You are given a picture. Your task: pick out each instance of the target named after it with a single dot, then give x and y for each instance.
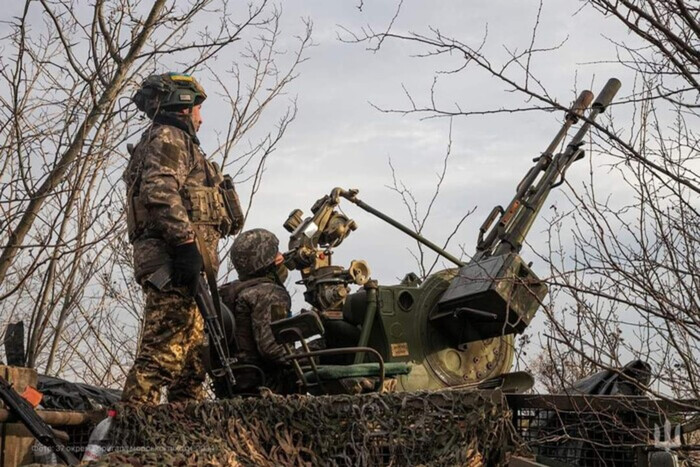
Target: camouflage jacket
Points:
(165, 161)
(254, 307)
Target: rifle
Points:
(206, 306)
(36, 426)
(497, 293)
(161, 280)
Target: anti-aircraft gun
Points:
(458, 325)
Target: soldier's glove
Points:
(187, 264)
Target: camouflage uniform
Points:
(166, 163)
(170, 351)
(257, 299)
(166, 160)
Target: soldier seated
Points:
(257, 299)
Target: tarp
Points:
(60, 394)
(628, 381)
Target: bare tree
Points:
(426, 261)
(69, 70)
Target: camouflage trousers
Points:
(170, 353)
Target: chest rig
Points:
(215, 203)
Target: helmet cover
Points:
(253, 251)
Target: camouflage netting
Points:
(447, 427)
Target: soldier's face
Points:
(197, 117)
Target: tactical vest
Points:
(245, 339)
(216, 204)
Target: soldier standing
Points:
(257, 299)
(177, 211)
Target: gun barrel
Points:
(521, 226)
(513, 225)
(607, 94)
(36, 426)
(572, 116)
(217, 339)
(580, 105)
(601, 103)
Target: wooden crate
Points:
(15, 440)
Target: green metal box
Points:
(491, 297)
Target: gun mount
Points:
(458, 325)
(394, 320)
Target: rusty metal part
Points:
(57, 417)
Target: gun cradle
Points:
(403, 332)
(492, 297)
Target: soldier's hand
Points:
(187, 264)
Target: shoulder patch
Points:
(170, 155)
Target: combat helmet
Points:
(168, 91)
(253, 251)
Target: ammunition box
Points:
(491, 297)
